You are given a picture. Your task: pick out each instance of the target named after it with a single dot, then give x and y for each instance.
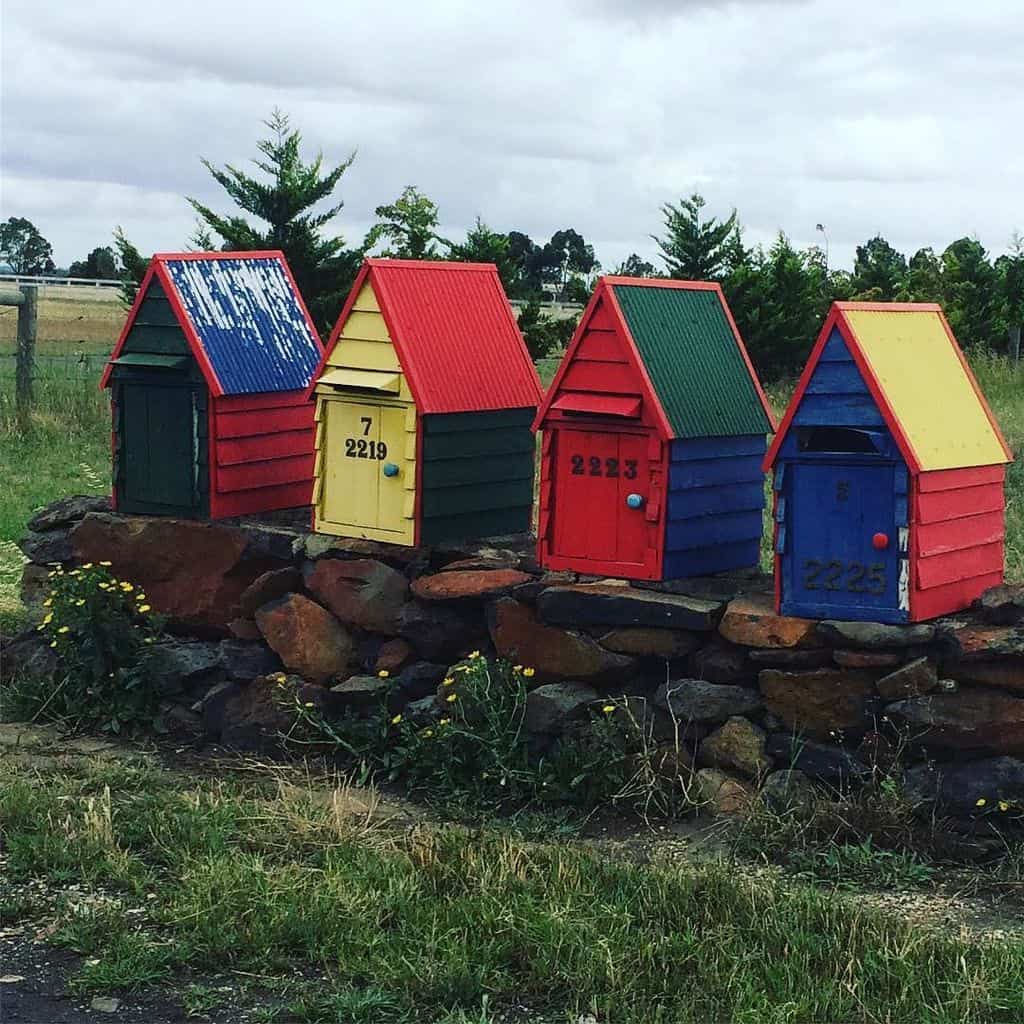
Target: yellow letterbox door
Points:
(365, 469)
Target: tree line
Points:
(779, 294)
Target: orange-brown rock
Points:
(307, 638)
(752, 621)
(819, 703)
(359, 591)
(468, 583)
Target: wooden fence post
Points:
(27, 319)
(1015, 342)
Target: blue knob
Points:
(390, 469)
(635, 501)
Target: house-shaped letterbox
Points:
(654, 430)
(424, 401)
(208, 389)
(888, 473)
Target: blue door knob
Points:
(390, 469)
(635, 501)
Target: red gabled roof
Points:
(454, 332)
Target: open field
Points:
(68, 452)
(251, 893)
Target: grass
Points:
(345, 917)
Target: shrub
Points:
(100, 628)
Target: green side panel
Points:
(156, 328)
(477, 475)
(155, 360)
(161, 447)
(690, 352)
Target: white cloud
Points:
(893, 118)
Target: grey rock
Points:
(554, 706)
(244, 661)
(695, 700)
(955, 789)
(1003, 606)
(105, 1004)
(176, 665)
(720, 663)
(789, 658)
(625, 606)
(269, 587)
(818, 760)
(789, 790)
(360, 693)
(47, 548)
(872, 635)
(417, 680)
(439, 631)
(916, 677)
(739, 746)
(424, 711)
(67, 511)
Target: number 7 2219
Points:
(852, 576)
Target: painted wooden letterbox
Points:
(208, 389)
(424, 401)
(654, 430)
(888, 473)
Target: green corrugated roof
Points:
(692, 358)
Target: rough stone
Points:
(193, 572)
(360, 592)
(244, 629)
(244, 661)
(789, 791)
(721, 795)
(718, 663)
(1006, 673)
(823, 761)
(910, 680)
(873, 635)
(306, 637)
(694, 700)
(253, 718)
(269, 542)
(970, 641)
(35, 585)
(553, 707)
(417, 680)
(554, 653)
(360, 693)
(738, 745)
(608, 605)
(423, 711)
(28, 655)
(392, 655)
(70, 510)
(177, 664)
(269, 587)
(955, 789)
(651, 643)
(792, 658)
(48, 548)
(819, 703)
(867, 659)
(511, 551)
(529, 592)
(105, 1004)
(440, 631)
(655, 723)
(212, 705)
(179, 722)
(1003, 606)
(752, 621)
(468, 584)
(978, 720)
(669, 761)
(322, 545)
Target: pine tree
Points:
(132, 266)
(694, 249)
(323, 269)
(410, 223)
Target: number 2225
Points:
(856, 573)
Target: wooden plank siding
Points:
(156, 328)
(836, 394)
(262, 453)
(477, 474)
(715, 506)
(957, 539)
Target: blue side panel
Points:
(249, 321)
(836, 393)
(714, 510)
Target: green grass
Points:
(428, 924)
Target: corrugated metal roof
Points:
(694, 359)
(455, 335)
(249, 320)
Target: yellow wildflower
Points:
(53, 643)
(1003, 806)
(104, 586)
(608, 708)
(48, 602)
(517, 668)
(47, 618)
(452, 697)
(144, 607)
(88, 565)
(140, 596)
(445, 721)
(64, 629)
(308, 704)
(448, 681)
(127, 588)
(980, 802)
(427, 733)
(106, 565)
(148, 640)
(396, 719)
(529, 672)
(80, 602)
(383, 673)
(473, 655)
(461, 668)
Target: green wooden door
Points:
(159, 451)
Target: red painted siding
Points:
(957, 538)
(261, 449)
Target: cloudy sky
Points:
(869, 116)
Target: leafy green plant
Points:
(99, 628)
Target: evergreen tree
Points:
(1010, 269)
(410, 223)
(132, 267)
(482, 245)
(879, 271)
(634, 266)
(693, 248)
(923, 282)
(970, 293)
(285, 203)
(101, 262)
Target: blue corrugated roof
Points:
(249, 321)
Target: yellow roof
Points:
(930, 390)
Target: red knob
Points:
(880, 541)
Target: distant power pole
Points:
(821, 228)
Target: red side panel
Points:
(957, 538)
(261, 453)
